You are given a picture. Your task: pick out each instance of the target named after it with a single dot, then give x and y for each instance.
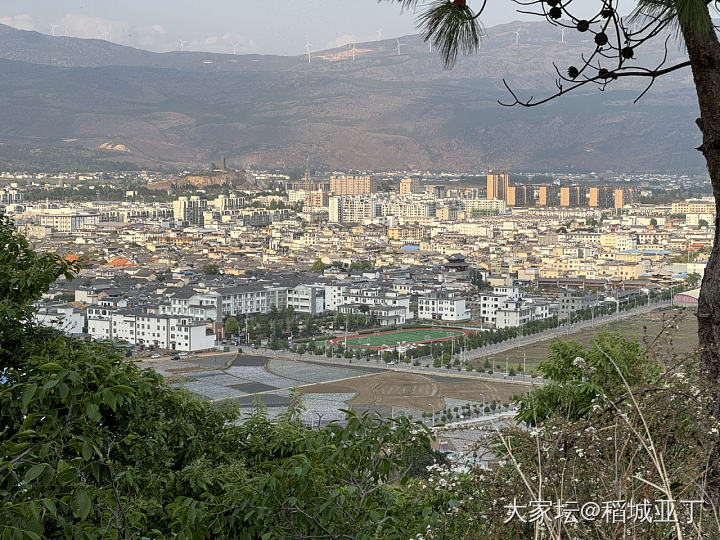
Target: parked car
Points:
(175, 357)
(182, 354)
(155, 355)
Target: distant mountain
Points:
(383, 110)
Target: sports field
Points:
(391, 339)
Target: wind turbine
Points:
(517, 36)
(66, 30)
(379, 34)
(353, 51)
(562, 35)
(430, 47)
(398, 46)
(182, 46)
(307, 48)
(105, 34)
(53, 27)
(235, 46)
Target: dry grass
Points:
(641, 327)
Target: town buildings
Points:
(529, 252)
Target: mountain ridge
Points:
(381, 111)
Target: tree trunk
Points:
(704, 52)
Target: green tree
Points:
(578, 377)
(211, 269)
(24, 276)
(616, 53)
(318, 266)
(232, 326)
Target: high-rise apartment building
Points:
(572, 196)
(352, 209)
(601, 197)
(409, 185)
(352, 185)
(624, 196)
(497, 185)
(520, 196)
(548, 196)
(190, 210)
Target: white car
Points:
(154, 356)
(182, 354)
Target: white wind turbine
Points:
(353, 52)
(53, 27)
(517, 36)
(235, 46)
(562, 35)
(398, 46)
(379, 34)
(307, 48)
(182, 46)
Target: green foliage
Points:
(452, 28)
(102, 448)
(318, 266)
(95, 440)
(211, 269)
(360, 265)
(24, 276)
(581, 379)
(232, 326)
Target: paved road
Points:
(490, 418)
(561, 331)
(402, 367)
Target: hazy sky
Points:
(249, 26)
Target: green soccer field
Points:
(392, 338)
